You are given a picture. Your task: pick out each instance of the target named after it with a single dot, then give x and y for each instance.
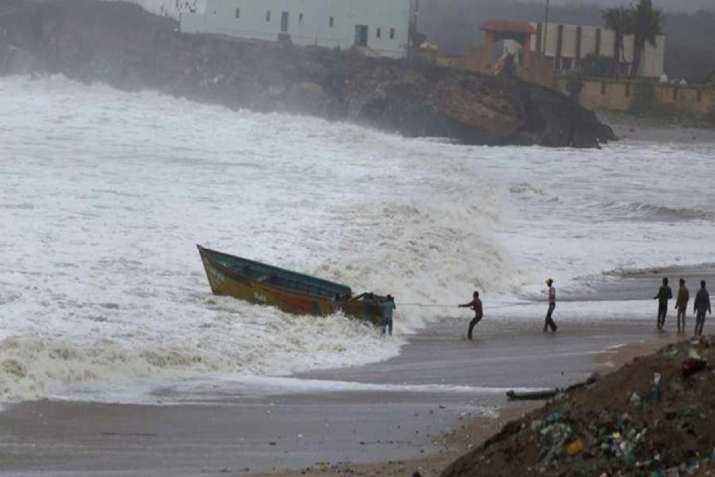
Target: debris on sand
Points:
(653, 417)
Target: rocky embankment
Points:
(124, 46)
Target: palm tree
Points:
(647, 25)
(620, 21)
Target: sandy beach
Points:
(441, 396)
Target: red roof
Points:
(508, 26)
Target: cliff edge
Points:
(126, 47)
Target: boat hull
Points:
(226, 279)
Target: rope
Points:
(424, 305)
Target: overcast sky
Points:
(671, 5)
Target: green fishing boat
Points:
(292, 292)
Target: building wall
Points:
(309, 22)
(596, 40)
(618, 95)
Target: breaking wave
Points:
(116, 290)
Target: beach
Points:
(401, 423)
(116, 359)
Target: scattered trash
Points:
(654, 392)
(644, 420)
(635, 400)
(693, 365)
(575, 448)
(553, 417)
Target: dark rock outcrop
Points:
(128, 48)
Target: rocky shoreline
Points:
(124, 46)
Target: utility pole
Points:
(546, 27)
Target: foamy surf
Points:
(105, 194)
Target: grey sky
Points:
(670, 5)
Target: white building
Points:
(567, 45)
(379, 27)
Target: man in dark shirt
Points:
(681, 305)
(549, 322)
(702, 305)
(664, 294)
(476, 305)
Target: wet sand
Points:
(246, 432)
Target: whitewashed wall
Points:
(220, 17)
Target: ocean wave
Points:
(658, 213)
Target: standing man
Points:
(549, 323)
(388, 307)
(702, 304)
(664, 294)
(476, 305)
(681, 305)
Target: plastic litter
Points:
(693, 365)
(575, 447)
(553, 417)
(654, 392)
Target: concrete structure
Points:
(618, 95)
(516, 36)
(378, 27)
(567, 45)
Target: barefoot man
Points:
(702, 305)
(681, 304)
(476, 305)
(664, 294)
(549, 323)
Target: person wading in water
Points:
(476, 305)
(681, 304)
(549, 323)
(664, 294)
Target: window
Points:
(300, 18)
(238, 13)
(332, 22)
(268, 15)
(392, 33)
(379, 32)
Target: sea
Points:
(105, 194)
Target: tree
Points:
(620, 21)
(646, 26)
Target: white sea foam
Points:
(105, 194)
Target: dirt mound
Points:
(654, 417)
